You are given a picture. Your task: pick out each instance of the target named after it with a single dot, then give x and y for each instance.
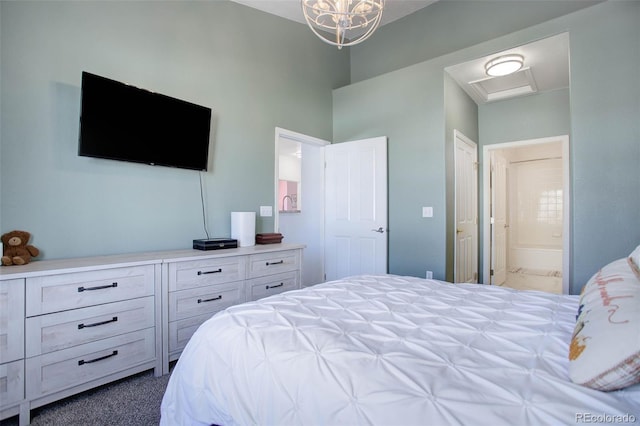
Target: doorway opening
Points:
(299, 198)
(526, 214)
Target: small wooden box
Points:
(269, 238)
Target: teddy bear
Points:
(16, 249)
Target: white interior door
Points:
(466, 210)
(356, 208)
(499, 223)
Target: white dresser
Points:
(84, 326)
(273, 273)
(75, 324)
(11, 346)
(200, 284)
(69, 325)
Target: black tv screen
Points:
(123, 122)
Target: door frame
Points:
(566, 207)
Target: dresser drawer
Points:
(11, 383)
(181, 331)
(74, 366)
(52, 332)
(55, 293)
(11, 320)
(204, 300)
(205, 272)
(273, 263)
(272, 284)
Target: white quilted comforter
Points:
(389, 350)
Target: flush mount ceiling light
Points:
(343, 22)
(504, 65)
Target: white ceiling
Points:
(546, 67)
(291, 9)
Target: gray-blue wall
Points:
(604, 132)
(447, 26)
(407, 107)
(273, 72)
(528, 117)
(256, 71)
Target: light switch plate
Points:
(427, 212)
(266, 211)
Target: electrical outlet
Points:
(429, 275)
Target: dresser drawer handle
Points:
(210, 272)
(95, 324)
(279, 262)
(209, 300)
(275, 286)
(82, 361)
(101, 287)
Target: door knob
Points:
(459, 231)
(380, 230)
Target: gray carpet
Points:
(132, 401)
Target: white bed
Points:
(389, 350)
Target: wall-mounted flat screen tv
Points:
(123, 122)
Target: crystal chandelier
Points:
(343, 22)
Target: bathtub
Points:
(539, 258)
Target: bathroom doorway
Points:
(526, 202)
(299, 198)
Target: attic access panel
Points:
(508, 86)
